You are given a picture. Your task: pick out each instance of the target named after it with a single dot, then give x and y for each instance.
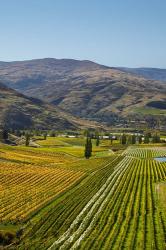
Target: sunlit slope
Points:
(86, 89)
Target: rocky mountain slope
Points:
(148, 73)
(19, 111)
(86, 89)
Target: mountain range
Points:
(86, 89)
(148, 73)
(21, 112)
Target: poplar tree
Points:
(123, 139)
(5, 134)
(45, 136)
(140, 139)
(97, 141)
(27, 139)
(133, 139)
(88, 148)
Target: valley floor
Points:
(53, 198)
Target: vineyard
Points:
(62, 201)
(24, 188)
(145, 152)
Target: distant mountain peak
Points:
(87, 89)
(148, 73)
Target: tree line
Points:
(139, 139)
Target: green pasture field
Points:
(148, 110)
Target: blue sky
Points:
(111, 32)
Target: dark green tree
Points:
(52, 134)
(97, 141)
(23, 133)
(129, 139)
(18, 133)
(149, 134)
(27, 139)
(146, 138)
(87, 133)
(123, 139)
(111, 138)
(88, 148)
(133, 139)
(5, 134)
(156, 138)
(45, 136)
(140, 139)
